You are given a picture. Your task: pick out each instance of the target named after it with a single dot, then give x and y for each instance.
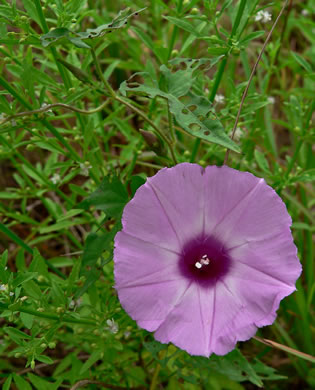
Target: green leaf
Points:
(302, 226)
(54, 35)
(306, 176)
(77, 72)
(33, 290)
(154, 347)
(136, 182)
(44, 359)
(182, 24)
(251, 36)
(16, 334)
(65, 363)
(38, 264)
(179, 81)
(261, 161)
(96, 355)
(235, 366)
(41, 384)
(7, 383)
(195, 116)
(266, 373)
(79, 43)
(91, 277)
(95, 245)
(22, 278)
(301, 61)
(15, 238)
(110, 197)
(21, 383)
(31, 10)
(117, 23)
(27, 320)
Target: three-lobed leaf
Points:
(193, 113)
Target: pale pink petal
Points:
(148, 281)
(225, 189)
(144, 216)
(255, 214)
(180, 193)
(189, 323)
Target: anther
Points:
(203, 261)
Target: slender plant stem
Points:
(101, 76)
(48, 316)
(220, 72)
(282, 35)
(51, 106)
(170, 123)
(290, 350)
(251, 77)
(155, 377)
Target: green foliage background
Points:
(94, 97)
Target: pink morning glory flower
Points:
(204, 257)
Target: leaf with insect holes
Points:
(120, 21)
(194, 114)
(76, 38)
(54, 35)
(183, 72)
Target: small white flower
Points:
(271, 100)
(44, 105)
(74, 303)
(11, 294)
(55, 178)
(112, 326)
(305, 12)
(263, 16)
(3, 287)
(219, 99)
(238, 134)
(127, 334)
(85, 168)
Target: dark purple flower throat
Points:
(204, 260)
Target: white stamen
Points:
(203, 261)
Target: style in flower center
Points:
(204, 260)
